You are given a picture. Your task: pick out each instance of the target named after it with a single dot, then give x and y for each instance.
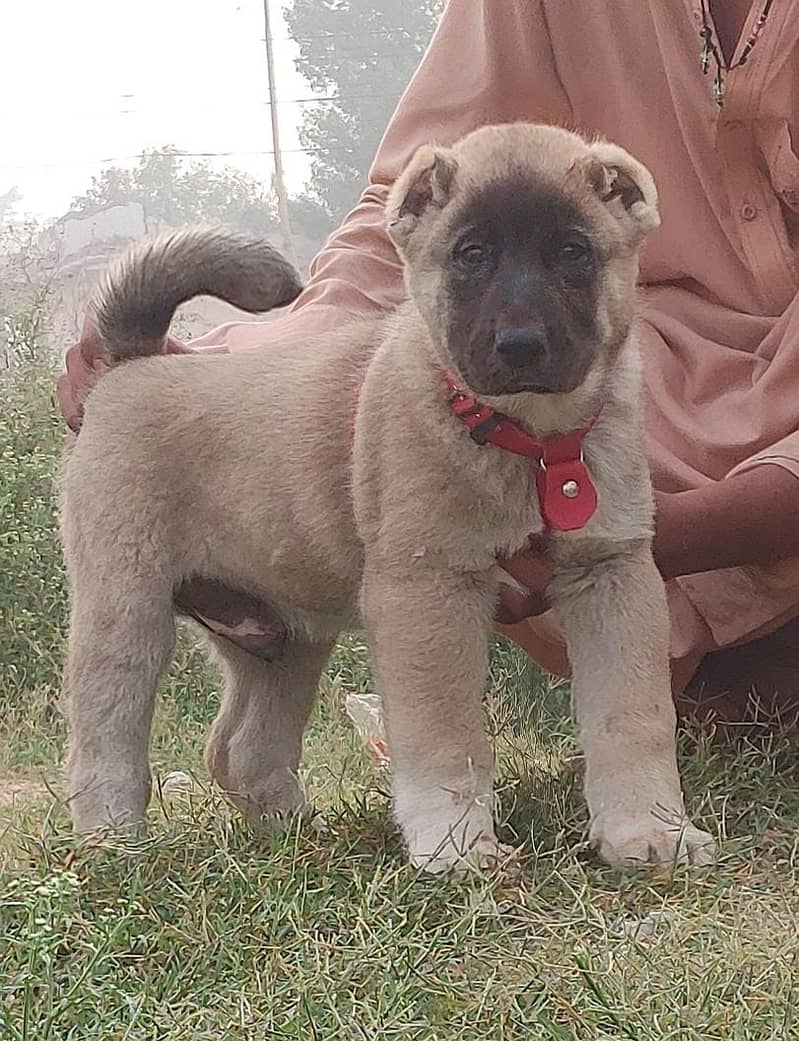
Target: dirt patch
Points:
(16, 790)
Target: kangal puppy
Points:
(499, 401)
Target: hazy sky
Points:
(89, 80)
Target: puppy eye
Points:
(574, 252)
(472, 254)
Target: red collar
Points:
(566, 493)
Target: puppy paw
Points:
(455, 840)
(273, 804)
(100, 803)
(659, 838)
(485, 855)
(449, 827)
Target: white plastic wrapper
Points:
(366, 713)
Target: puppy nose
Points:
(521, 345)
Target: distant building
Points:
(78, 233)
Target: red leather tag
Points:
(566, 494)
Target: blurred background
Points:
(120, 119)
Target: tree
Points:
(362, 53)
(175, 191)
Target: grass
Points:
(204, 931)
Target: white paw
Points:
(657, 838)
(483, 853)
(450, 834)
(104, 803)
(449, 828)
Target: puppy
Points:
(371, 478)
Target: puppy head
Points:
(520, 246)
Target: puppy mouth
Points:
(537, 388)
(520, 382)
(493, 376)
(534, 388)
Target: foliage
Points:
(362, 53)
(27, 294)
(24, 328)
(32, 595)
(175, 191)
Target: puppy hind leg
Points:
(255, 743)
(116, 656)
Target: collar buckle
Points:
(484, 428)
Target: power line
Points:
(403, 30)
(181, 109)
(88, 113)
(178, 155)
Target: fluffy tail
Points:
(145, 286)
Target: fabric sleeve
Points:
(739, 604)
(490, 61)
(784, 453)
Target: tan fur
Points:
(242, 468)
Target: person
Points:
(706, 94)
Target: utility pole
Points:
(278, 181)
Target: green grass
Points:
(204, 931)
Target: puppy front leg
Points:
(615, 620)
(429, 643)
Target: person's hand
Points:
(532, 570)
(85, 362)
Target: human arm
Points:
(750, 519)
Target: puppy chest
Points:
(465, 517)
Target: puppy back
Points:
(144, 287)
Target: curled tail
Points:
(144, 287)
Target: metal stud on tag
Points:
(571, 489)
(566, 494)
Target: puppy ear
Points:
(426, 182)
(625, 186)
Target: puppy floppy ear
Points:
(427, 181)
(625, 186)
